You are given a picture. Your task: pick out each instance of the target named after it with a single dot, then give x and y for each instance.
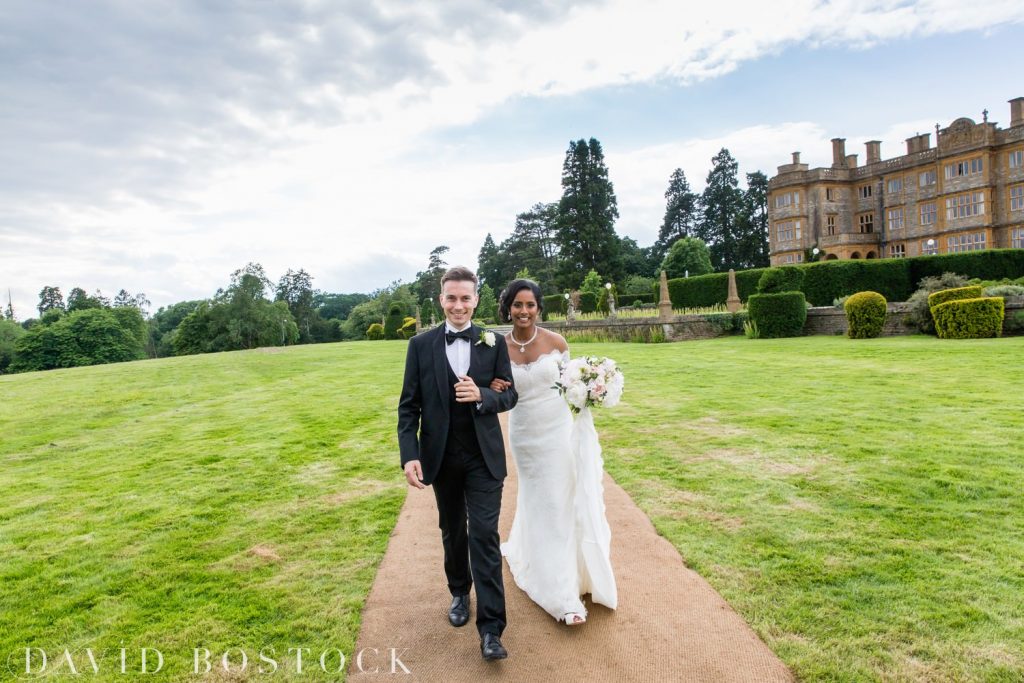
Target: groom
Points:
(449, 437)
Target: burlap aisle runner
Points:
(670, 624)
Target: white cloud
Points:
(290, 138)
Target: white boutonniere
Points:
(486, 337)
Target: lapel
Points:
(441, 365)
(474, 351)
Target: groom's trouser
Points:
(467, 491)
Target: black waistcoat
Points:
(461, 428)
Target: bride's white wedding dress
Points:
(559, 545)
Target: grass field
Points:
(857, 502)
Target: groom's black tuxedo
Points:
(462, 454)
(426, 403)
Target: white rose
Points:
(576, 395)
(489, 338)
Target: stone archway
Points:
(871, 254)
(855, 255)
(831, 257)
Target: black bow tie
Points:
(452, 336)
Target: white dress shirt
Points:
(458, 351)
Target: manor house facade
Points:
(966, 193)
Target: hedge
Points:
(944, 295)
(629, 299)
(707, 290)
(588, 302)
(781, 314)
(826, 281)
(865, 315)
(781, 279)
(987, 264)
(970, 318)
(554, 303)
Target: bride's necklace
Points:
(523, 345)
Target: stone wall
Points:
(826, 320)
(682, 328)
(832, 320)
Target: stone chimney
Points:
(851, 161)
(874, 151)
(838, 152)
(919, 143)
(1017, 111)
(796, 158)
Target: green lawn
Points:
(857, 502)
(229, 500)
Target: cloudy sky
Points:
(158, 146)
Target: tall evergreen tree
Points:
(586, 216)
(489, 264)
(534, 243)
(50, 298)
(721, 201)
(752, 234)
(428, 282)
(682, 213)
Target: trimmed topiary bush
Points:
(865, 315)
(588, 302)
(375, 332)
(408, 330)
(918, 312)
(944, 295)
(970, 318)
(781, 279)
(394, 321)
(780, 314)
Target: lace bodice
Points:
(537, 379)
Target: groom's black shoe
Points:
(491, 647)
(458, 613)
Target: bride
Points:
(558, 548)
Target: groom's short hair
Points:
(459, 274)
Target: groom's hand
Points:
(414, 474)
(466, 390)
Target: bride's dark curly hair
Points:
(508, 295)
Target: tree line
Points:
(559, 243)
(250, 312)
(564, 245)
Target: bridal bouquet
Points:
(590, 381)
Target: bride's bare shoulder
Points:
(555, 340)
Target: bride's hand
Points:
(499, 385)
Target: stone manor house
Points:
(965, 193)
